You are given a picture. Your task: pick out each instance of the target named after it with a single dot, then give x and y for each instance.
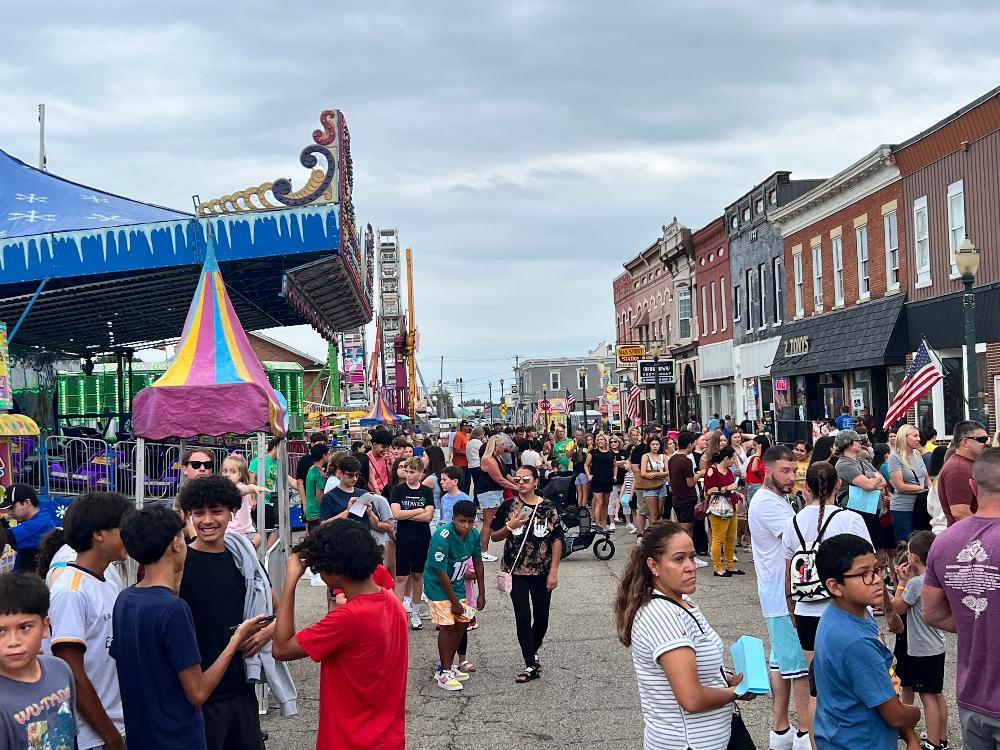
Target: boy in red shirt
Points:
(364, 637)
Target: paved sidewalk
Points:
(587, 697)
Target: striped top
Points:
(661, 626)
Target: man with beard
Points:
(769, 514)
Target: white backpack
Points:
(806, 586)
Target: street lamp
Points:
(967, 262)
(545, 407)
(656, 351)
(582, 372)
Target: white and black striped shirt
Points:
(662, 626)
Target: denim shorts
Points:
(491, 499)
(663, 491)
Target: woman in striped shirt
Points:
(678, 657)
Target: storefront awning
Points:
(872, 334)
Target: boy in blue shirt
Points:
(856, 701)
(451, 477)
(32, 524)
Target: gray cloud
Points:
(524, 149)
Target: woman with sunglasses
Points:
(528, 525)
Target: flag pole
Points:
(42, 160)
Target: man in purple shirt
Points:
(961, 594)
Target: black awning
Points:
(872, 334)
(940, 320)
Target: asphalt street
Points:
(587, 697)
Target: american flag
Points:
(570, 400)
(631, 397)
(920, 378)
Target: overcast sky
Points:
(525, 150)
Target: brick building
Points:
(267, 348)
(677, 256)
(715, 336)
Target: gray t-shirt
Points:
(39, 714)
(381, 507)
(849, 469)
(921, 638)
(914, 472)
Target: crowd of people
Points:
(841, 533)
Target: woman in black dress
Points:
(600, 469)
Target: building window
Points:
(722, 302)
(838, 271)
(703, 324)
(734, 222)
(760, 205)
(736, 303)
(956, 220)
(891, 250)
(581, 380)
(715, 313)
(772, 197)
(779, 297)
(554, 380)
(751, 275)
(746, 214)
(922, 242)
(762, 294)
(684, 312)
(817, 252)
(797, 270)
(864, 287)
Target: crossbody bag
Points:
(505, 583)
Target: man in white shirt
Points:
(769, 515)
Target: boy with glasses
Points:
(336, 504)
(856, 704)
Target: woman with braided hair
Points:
(821, 519)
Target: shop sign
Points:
(648, 369)
(627, 355)
(611, 394)
(796, 346)
(6, 396)
(781, 384)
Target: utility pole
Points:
(411, 339)
(43, 162)
(461, 392)
(490, 402)
(517, 401)
(440, 387)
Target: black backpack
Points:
(805, 583)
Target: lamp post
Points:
(545, 407)
(967, 262)
(490, 402)
(582, 372)
(658, 416)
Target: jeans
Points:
(723, 540)
(979, 731)
(530, 634)
(902, 524)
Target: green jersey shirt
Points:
(315, 480)
(268, 478)
(450, 553)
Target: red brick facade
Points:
(712, 278)
(868, 212)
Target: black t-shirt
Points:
(621, 455)
(302, 467)
(602, 466)
(412, 499)
(365, 468)
(215, 590)
(637, 453)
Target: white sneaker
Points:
(415, 621)
(801, 743)
(611, 526)
(782, 741)
(489, 557)
(408, 605)
(424, 611)
(631, 528)
(446, 681)
(459, 674)
(699, 563)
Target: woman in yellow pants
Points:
(720, 483)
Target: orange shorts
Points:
(441, 613)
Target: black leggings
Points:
(530, 635)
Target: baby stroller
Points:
(579, 530)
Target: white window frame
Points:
(837, 245)
(751, 275)
(715, 312)
(921, 243)
(684, 295)
(762, 289)
(864, 274)
(703, 327)
(817, 263)
(890, 228)
(555, 381)
(956, 232)
(777, 268)
(800, 309)
(722, 302)
(737, 307)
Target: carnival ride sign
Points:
(6, 395)
(628, 355)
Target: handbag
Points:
(505, 582)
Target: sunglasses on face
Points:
(984, 439)
(523, 480)
(201, 464)
(354, 474)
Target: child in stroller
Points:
(579, 531)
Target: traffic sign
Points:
(545, 404)
(503, 410)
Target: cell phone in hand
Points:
(267, 619)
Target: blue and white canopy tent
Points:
(86, 272)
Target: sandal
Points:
(529, 673)
(467, 666)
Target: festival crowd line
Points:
(854, 544)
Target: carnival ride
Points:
(381, 413)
